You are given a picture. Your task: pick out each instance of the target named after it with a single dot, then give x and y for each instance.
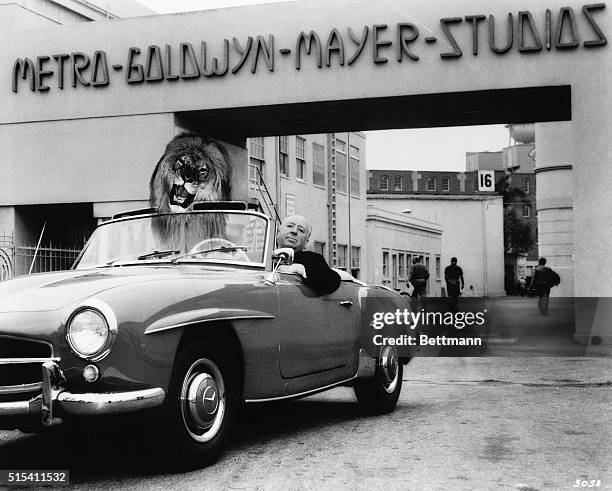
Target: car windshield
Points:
(210, 236)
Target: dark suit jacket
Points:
(319, 276)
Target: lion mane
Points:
(192, 169)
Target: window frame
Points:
(342, 257)
(283, 156)
(316, 176)
(342, 174)
(300, 158)
(385, 264)
(526, 210)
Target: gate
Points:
(17, 260)
(47, 259)
(7, 257)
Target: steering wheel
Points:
(215, 243)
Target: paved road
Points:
(462, 423)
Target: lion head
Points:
(191, 170)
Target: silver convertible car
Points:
(183, 318)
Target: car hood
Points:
(51, 291)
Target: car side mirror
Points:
(282, 256)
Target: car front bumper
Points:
(55, 402)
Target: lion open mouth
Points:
(188, 176)
(183, 193)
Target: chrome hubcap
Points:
(389, 368)
(203, 400)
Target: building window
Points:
(283, 156)
(289, 205)
(318, 164)
(398, 183)
(438, 268)
(526, 211)
(446, 184)
(385, 264)
(342, 252)
(256, 172)
(341, 171)
(526, 185)
(432, 183)
(256, 162)
(319, 248)
(384, 183)
(400, 266)
(256, 147)
(300, 157)
(354, 171)
(355, 261)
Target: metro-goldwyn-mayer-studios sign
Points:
(525, 31)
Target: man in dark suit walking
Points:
(453, 275)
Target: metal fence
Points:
(47, 259)
(17, 260)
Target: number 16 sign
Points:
(486, 180)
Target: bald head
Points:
(294, 232)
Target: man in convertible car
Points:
(293, 233)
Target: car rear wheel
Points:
(379, 394)
(201, 405)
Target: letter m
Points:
(24, 68)
(306, 41)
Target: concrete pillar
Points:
(580, 193)
(554, 201)
(7, 230)
(7, 220)
(592, 127)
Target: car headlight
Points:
(91, 330)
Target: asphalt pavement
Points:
(523, 423)
(507, 418)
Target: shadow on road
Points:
(94, 454)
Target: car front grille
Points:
(20, 367)
(23, 348)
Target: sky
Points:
(410, 149)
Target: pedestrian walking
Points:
(453, 275)
(544, 278)
(522, 286)
(419, 275)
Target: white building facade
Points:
(472, 231)
(393, 241)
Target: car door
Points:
(317, 332)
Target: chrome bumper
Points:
(55, 401)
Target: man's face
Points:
(293, 232)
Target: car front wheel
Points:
(379, 394)
(201, 405)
